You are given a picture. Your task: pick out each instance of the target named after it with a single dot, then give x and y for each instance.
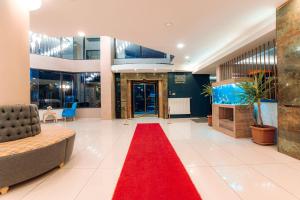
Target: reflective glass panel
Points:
(126, 50)
(61, 89)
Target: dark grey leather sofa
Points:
(27, 149)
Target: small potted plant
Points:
(208, 91)
(254, 92)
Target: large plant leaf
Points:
(207, 90)
(256, 90)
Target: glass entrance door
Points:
(145, 98)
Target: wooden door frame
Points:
(160, 99)
(130, 83)
(129, 99)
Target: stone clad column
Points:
(288, 56)
(107, 79)
(14, 53)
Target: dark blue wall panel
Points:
(200, 105)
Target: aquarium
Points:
(228, 94)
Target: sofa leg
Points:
(4, 190)
(61, 165)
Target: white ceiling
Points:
(204, 26)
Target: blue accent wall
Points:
(200, 105)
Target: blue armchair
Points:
(70, 112)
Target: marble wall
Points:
(288, 56)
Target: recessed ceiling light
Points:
(180, 45)
(168, 24)
(81, 34)
(187, 57)
(33, 4)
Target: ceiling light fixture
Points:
(180, 45)
(81, 34)
(32, 4)
(187, 57)
(168, 24)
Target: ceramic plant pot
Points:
(263, 135)
(209, 117)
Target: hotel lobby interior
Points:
(149, 100)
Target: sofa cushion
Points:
(35, 120)
(48, 136)
(18, 121)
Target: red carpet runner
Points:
(152, 169)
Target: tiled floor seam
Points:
(212, 167)
(250, 166)
(44, 179)
(97, 168)
(238, 195)
(194, 149)
(274, 182)
(87, 181)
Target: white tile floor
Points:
(221, 167)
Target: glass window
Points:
(125, 50)
(49, 89)
(92, 54)
(74, 48)
(61, 89)
(88, 90)
(78, 48)
(34, 86)
(67, 88)
(132, 51)
(92, 48)
(67, 48)
(150, 53)
(92, 89)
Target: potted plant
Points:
(254, 92)
(208, 91)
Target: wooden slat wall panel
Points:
(260, 59)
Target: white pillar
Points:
(107, 79)
(14, 53)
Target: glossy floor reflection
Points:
(221, 167)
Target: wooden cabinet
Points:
(233, 120)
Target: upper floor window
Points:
(125, 50)
(74, 48)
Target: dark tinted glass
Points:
(74, 48)
(49, 89)
(88, 90)
(125, 50)
(150, 53)
(61, 89)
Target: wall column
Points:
(14, 53)
(107, 79)
(288, 56)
